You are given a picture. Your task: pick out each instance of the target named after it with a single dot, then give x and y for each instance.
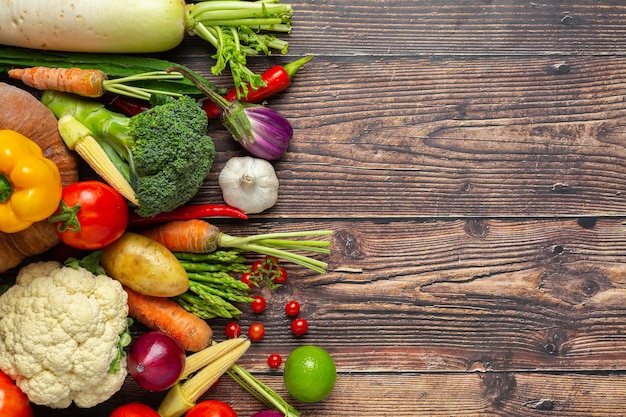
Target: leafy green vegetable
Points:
(164, 151)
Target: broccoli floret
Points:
(164, 153)
(172, 155)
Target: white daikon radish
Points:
(119, 26)
(146, 26)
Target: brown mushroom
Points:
(24, 113)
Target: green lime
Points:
(309, 373)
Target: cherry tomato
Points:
(92, 214)
(274, 360)
(256, 265)
(292, 308)
(281, 278)
(134, 410)
(211, 408)
(256, 331)
(233, 330)
(299, 326)
(259, 304)
(245, 278)
(13, 402)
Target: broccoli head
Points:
(164, 153)
(172, 155)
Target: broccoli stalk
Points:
(163, 153)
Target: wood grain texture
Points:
(469, 156)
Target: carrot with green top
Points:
(199, 236)
(90, 82)
(163, 314)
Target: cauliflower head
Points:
(59, 332)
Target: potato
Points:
(145, 266)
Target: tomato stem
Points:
(67, 218)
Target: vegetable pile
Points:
(230, 26)
(136, 252)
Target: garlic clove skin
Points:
(249, 184)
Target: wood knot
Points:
(587, 222)
(348, 244)
(590, 288)
(499, 387)
(555, 340)
(477, 228)
(542, 404)
(560, 68)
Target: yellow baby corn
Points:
(78, 138)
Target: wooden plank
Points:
(487, 394)
(411, 137)
(457, 28)
(461, 295)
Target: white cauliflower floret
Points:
(59, 333)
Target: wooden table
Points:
(469, 156)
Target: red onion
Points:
(263, 132)
(156, 361)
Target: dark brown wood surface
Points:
(469, 156)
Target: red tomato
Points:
(13, 402)
(292, 308)
(274, 360)
(281, 277)
(259, 304)
(299, 326)
(211, 408)
(134, 410)
(233, 330)
(245, 278)
(96, 215)
(256, 332)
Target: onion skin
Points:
(271, 133)
(156, 361)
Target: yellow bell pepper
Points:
(30, 184)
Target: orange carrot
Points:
(198, 236)
(194, 236)
(86, 83)
(163, 314)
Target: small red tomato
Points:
(259, 304)
(134, 410)
(256, 331)
(274, 361)
(13, 402)
(292, 308)
(256, 265)
(299, 326)
(211, 408)
(281, 277)
(233, 330)
(245, 278)
(92, 214)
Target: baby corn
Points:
(78, 138)
(184, 395)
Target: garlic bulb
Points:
(249, 184)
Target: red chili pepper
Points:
(187, 213)
(276, 78)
